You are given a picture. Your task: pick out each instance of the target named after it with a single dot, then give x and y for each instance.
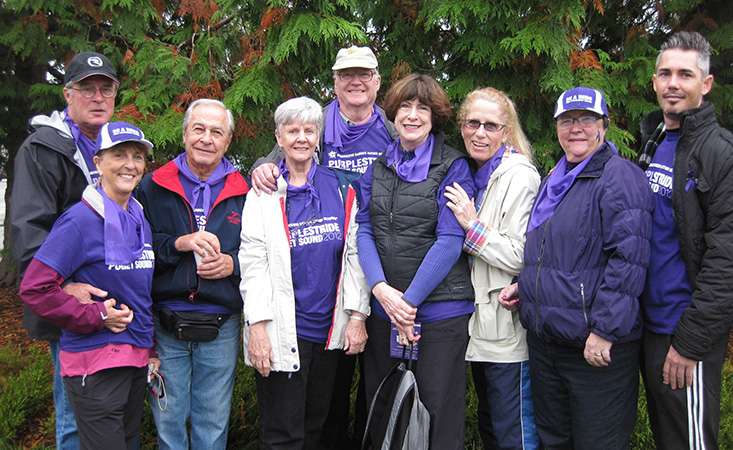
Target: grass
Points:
(25, 397)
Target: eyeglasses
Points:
(350, 76)
(584, 121)
(490, 127)
(89, 91)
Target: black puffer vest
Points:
(404, 217)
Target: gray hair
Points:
(208, 102)
(689, 40)
(299, 109)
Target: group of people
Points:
(366, 234)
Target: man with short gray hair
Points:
(194, 205)
(687, 302)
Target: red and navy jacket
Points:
(171, 216)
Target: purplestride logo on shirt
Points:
(358, 161)
(660, 179)
(144, 262)
(315, 231)
(200, 218)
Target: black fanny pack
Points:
(192, 326)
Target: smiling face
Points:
(206, 139)
(298, 141)
(413, 122)
(580, 140)
(120, 169)
(352, 92)
(679, 83)
(90, 113)
(480, 143)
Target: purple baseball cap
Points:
(581, 98)
(114, 133)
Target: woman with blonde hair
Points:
(495, 221)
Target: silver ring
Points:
(598, 354)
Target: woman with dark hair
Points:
(410, 249)
(106, 344)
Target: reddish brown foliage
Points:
(408, 9)
(252, 47)
(585, 59)
(91, 8)
(287, 89)
(130, 113)
(399, 71)
(196, 91)
(598, 5)
(128, 57)
(272, 16)
(159, 6)
(38, 18)
(200, 10)
(245, 128)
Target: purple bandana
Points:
(483, 174)
(314, 200)
(558, 184)
(86, 146)
(412, 170)
(203, 186)
(124, 238)
(337, 133)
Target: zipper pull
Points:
(390, 217)
(192, 295)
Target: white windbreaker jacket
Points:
(496, 335)
(266, 281)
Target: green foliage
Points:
(25, 389)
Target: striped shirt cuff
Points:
(475, 237)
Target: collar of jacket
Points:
(690, 120)
(598, 160)
(167, 177)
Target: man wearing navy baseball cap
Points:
(687, 301)
(52, 168)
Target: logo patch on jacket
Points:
(234, 218)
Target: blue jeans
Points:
(199, 378)
(67, 437)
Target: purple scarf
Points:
(203, 186)
(314, 201)
(557, 186)
(483, 174)
(415, 169)
(337, 133)
(124, 238)
(87, 146)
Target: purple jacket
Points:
(584, 268)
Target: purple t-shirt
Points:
(668, 291)
(75, 250)
(357, 146)
(447, 226)
(316, 244)
(199, 212)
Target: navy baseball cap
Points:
(114, 133)
(86, 64)
(581, 98)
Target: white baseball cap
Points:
(355, 56)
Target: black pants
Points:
(108, 406)
(683, 418)
(293, 405)
(440, 372)
(336, 429)
(578, 406)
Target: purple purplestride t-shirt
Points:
(668, 291)
(315, 222)
(352, 148)
(75, 250)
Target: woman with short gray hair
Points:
(303, 289)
